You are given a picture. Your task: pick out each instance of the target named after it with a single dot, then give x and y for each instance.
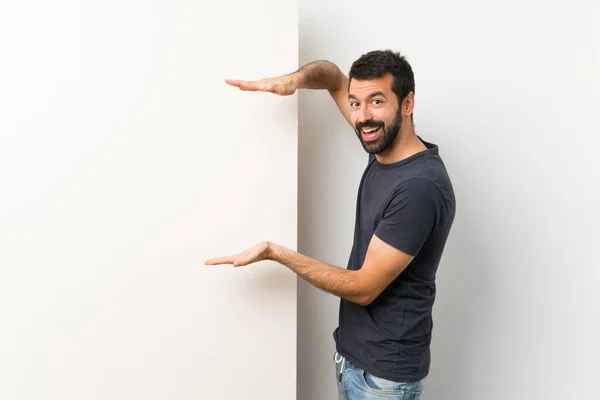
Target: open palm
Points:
(257, 253)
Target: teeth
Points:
(370, 130)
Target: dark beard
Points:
(385, 139)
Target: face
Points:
(375, 113)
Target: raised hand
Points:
(257, 253)
(284, 85)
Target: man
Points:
(405, 211)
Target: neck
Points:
(406, 144)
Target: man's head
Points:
(381, 95)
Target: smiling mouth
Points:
(370, 133)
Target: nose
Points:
(364, 115)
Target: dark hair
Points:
(378, 63)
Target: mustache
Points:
(369, 124)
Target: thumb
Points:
(265, 86)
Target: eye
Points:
(377, 101)
(354, 104)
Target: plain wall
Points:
(510, 93)
(125, 163)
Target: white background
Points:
(511, 94)
(125, 163)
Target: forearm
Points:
(320, 75)
(335, 280)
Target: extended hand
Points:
(257, 253)
(284, 85)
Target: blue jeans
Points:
(356, 384)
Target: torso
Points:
(390, 338)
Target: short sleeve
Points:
(411, 215)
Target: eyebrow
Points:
(374, 94)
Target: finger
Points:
(236, 82)
(268, 87)
(249, 257)
(243, 261)
(220, 260)
(242, 85)
(250, 85)
(233, 82)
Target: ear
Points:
(408, 105)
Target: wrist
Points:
(298, 78)
(272, 251)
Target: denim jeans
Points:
(356, 384)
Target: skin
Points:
(359, 102)
(374, 100)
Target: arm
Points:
(316, 75)
(409, 219)
(326, 75)
(383, 263)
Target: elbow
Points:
(364, 291)
(365, 299)
(366, 294)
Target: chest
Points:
(375, 193)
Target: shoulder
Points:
(422, 195)
(417, 189)
(429, 177)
